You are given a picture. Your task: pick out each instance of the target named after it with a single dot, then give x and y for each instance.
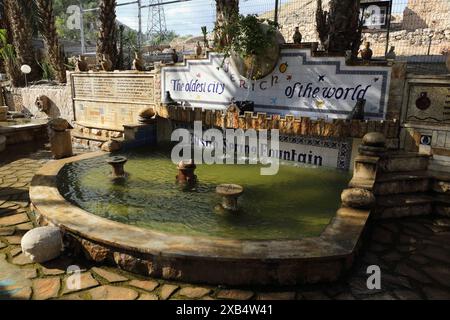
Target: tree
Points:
(61, 18)
(8, 55)
(164, 38)
(342, 24)
(227, 11)
(322, 23)
(107, 41)
(18, 15)
(47, 28)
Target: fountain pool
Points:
(289, 205)
(288, 229)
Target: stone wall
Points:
(411, 31)
(60, 98)
(411, 43)
(426, 126)
(422, 14)
(288, 125)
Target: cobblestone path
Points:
(413, 254)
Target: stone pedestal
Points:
(61, 144)
(118, 163)
(230, 194)
(2, 143)
(3, 113)
(186, 174)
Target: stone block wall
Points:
(411, 43)
(421, 14)
(60, 98)
(288, 125)
(398, 78)
(427, 129)
(411, 29)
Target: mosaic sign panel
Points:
(110, 100)
(311, 151)
(301, 85)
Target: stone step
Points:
(404, 162)
(402, 182)
(442, 204)
(403, 205)
(439, 163)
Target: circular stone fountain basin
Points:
(288, 205)
(287, 230)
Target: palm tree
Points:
(226, 12)
(17, 13)
(344, 24)
(340, 29)
(107, 41)
(9, 59)
(48, 31)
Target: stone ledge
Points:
(200, 259)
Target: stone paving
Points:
(413, 254)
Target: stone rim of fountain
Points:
(198, 259)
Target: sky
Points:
(187, 18)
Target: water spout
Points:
(118, 164)
(230, 194)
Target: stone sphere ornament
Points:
(374, 139)
(146, 115)
(42, 244)
(357, 198)
(59, 124)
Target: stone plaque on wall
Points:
(428, 102)
(111, 100)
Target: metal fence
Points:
(418, 29)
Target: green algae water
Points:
(297, 202)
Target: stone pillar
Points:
(61, 144)
(3, 113)
(396, 90)
(367, 165)
(60, 138)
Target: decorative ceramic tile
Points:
(322, 87)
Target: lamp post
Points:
(26, 69)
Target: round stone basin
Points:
(287, 230)
(297, 202)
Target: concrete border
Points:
(198, 259)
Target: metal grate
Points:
(418, 29)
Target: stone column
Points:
(360, 194)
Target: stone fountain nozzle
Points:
(230, 194)
(118, 164)
(186, 172)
